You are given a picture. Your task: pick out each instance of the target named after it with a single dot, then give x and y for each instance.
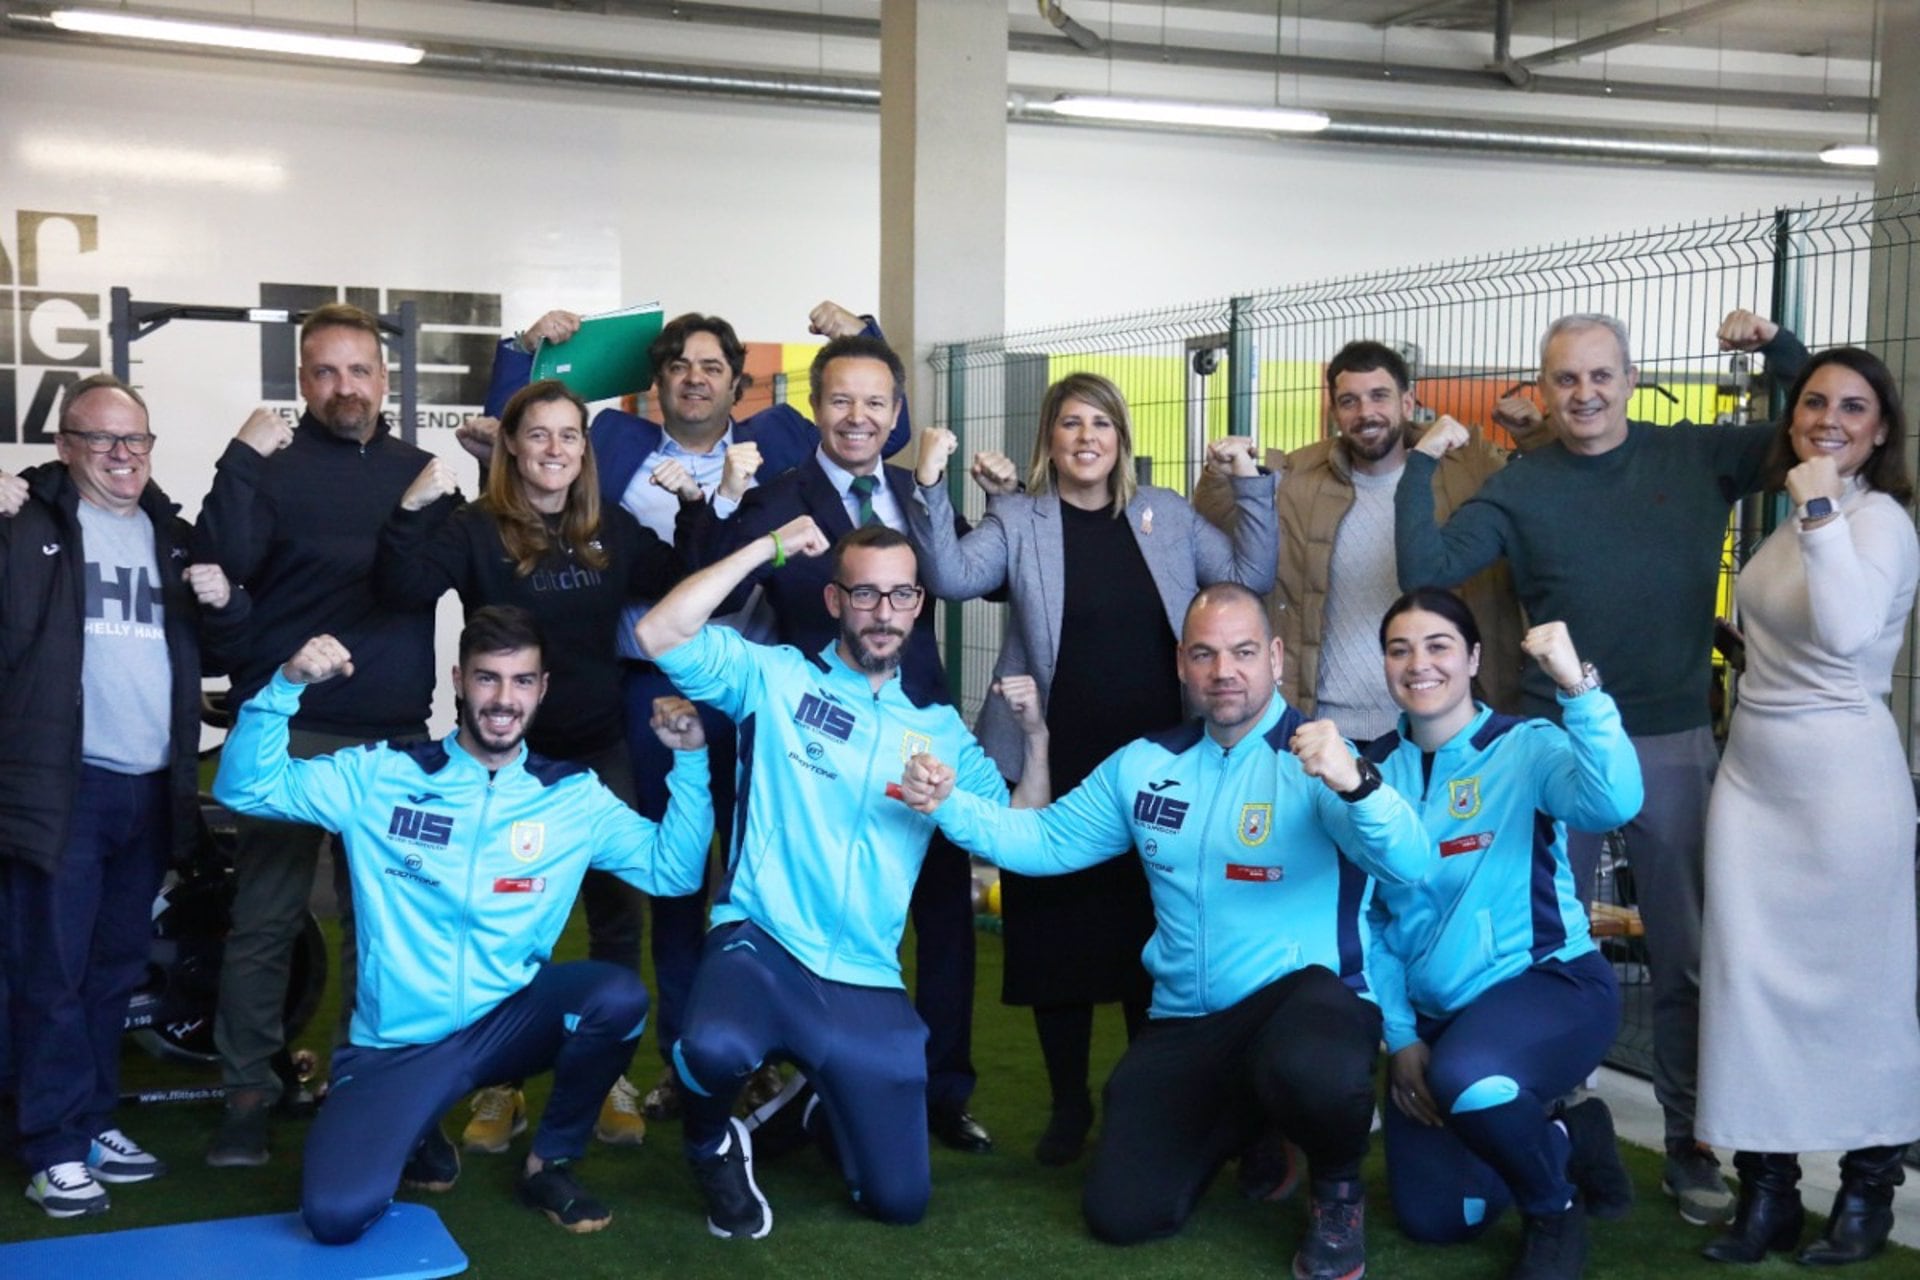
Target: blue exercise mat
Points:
(408, 1243)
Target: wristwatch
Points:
(1816, 509)
(1368, 784)
(1589, 681)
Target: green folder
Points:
(607, 357)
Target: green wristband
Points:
(779, 552)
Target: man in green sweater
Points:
(1616, 528)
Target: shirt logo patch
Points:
(1256, 823)
(416, 827)
(1158, 812)
(1463, 797)
(914, 744)
(1256, 875)
(520, 884)
(526, 839)
(1466, 844)
(815, 712)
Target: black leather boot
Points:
(1769, 1214)
(1863, 1211)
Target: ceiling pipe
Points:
(1032, 106)
(1634, 34)
(1518, 76)
(1088, 41)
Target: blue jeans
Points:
(77, 942)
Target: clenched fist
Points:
(321, 658)
(1325, 755)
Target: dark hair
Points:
(1886, 467)
(342, 315)
(858, 346)
(91, 383)
(671, 343)
(1220, 593)
(501, 628)
(1366, 357)
(873, 537)
(523, 531)
(1434, 600)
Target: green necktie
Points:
(862, 489)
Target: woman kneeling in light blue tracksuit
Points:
(1495, 1001)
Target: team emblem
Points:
(526, 839)
(914, 744)
(1256, 823)
(1463, 797)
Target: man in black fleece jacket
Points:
(294, 516)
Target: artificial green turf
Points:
(1000, 1215)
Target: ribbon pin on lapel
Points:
(1146, 520)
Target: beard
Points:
(1389, 441)
(472, 723)
(854, 640)
(349, 417)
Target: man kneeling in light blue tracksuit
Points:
(465, 856)
(1262, 836)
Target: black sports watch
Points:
(1817, 509)
(1368, 784)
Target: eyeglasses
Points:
(866, 599)
(540, 437)
(104, 441)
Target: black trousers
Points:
(1191, 1093)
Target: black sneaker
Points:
(1553, 1248)
(735, 1208)
(241, 1140)
(555, 1192)
(434, 1164)
(1336, 1243)
(1691, 1175)
(1593, 1164)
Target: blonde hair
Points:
(523, 531)
(1103, 395)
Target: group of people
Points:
(1382, 826)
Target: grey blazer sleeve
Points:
(951, 567)
(1252, 554)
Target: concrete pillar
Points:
(943, 178)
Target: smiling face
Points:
(343, 379)
(696, 388)
(1371, 412)
(874, 640)
(1586, 383)
(1083, 445)
(1837, 416)
(1430, 670)
(855, 409)
(547, 450)
(1229, 663)
(499, 693)
(112, 481)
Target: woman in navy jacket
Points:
(1494, 999)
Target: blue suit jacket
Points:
(623, 441)
(797, 590)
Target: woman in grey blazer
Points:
(1099, 571)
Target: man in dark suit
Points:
(857, 390)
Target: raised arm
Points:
(256, 775)
(1249, 556)
(1370, 822)
(1588, 776)
(1086, 826)
(667, 858)
(1426, 554)
(957, 567)
(425, 545)
(235, 529)
(674, 619)
(1860, 566)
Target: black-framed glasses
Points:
(104, 441)
(866, 599)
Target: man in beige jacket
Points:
(1337, 573)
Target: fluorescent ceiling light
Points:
(1853, 155)
(1194, 114)
(255, 39)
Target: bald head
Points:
(1229, 660)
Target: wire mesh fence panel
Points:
(1840, 273)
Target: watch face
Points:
(1817, 507)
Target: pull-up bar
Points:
(134, 320)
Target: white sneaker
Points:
(67, 1191)
(114, 1157)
